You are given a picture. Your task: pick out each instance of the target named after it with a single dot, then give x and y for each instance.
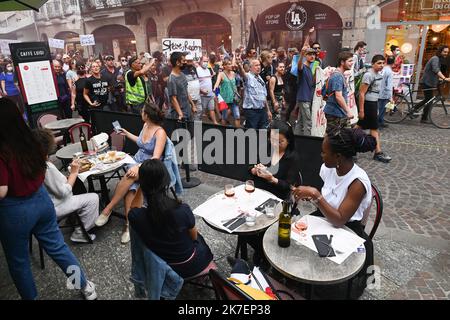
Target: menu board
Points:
(37, 79)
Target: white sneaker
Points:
(89, 291)
(125, 237)
(102, 220)
(79, 237)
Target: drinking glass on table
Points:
(250, 218)
(249, 188)
(229, 191)
(269, 210)
(302, 225)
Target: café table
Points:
(63, 125)
(262, 222)
(66, 154)
(300, 263)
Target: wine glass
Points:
(249, 188)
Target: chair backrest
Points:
(225, 289)
(377, 206)
(74, 131)
(117, 141)
(46, 118)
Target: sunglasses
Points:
(316, 48)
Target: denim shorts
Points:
(234, 109)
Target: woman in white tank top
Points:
(346, 192)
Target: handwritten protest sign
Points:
(193, 46)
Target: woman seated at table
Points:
(347, 191)
(282, 172)
(167, 227)
(60, 190)
(151, 142)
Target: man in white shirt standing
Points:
(193, 86)
(386, 90)
(66, 60)
(205, 75)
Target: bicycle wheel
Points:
(399, 113)
(439, 115)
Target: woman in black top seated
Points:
(167, 227)
(278, 176)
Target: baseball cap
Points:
(109, 57)
(189, 57)
(310, 51)
(66, 56)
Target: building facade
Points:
(127, 26)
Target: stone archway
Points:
(286, 24)
(114, 39)
(213, 29)
(151, 33)
(71, 41)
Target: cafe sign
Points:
(296, 17)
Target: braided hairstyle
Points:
(348, 142)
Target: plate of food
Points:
(86, 165)
(112, 156)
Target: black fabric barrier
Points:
(307, 147)
(102, 122)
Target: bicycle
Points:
(404, 107)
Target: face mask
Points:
(205, 65)
(183, 66)
(124, 63)
(397, 52)
(10, 69)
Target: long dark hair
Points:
(18, 143)
(285, 129)
(154, 180)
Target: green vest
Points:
(134, 95)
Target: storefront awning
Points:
(20, 5)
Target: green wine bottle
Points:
(284, 226)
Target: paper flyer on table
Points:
(344, 242)
(219, 209)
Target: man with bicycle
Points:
(431, 76)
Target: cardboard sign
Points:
(87, 40)
(56, 43)
(193, 46)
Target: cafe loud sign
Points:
(296, 17)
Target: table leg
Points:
(90, 185)
(104, 189)
(349, 289)
(309, 291)
(242, 248)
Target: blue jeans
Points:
(20, 217)
(381, 109)
(256, 118)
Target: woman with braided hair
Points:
(347, 192)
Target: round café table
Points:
(63, 124)
(261, 224)
(304, 265)
(67, 152)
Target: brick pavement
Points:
(415, 190)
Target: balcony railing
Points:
(88, 6)
(16, 21)
(57, 9)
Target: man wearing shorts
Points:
(205, 75)
(369, 93)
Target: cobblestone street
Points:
(412, 244)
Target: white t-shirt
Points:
(335, 188)
(205, 78)
(193, 87)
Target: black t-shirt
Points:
(98, 89)
(80, 84)
(112, 77)
(171, 248)
(287, 175)
(267, 71)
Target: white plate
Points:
(105, 158)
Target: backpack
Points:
(359, 85)
(324, 91)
